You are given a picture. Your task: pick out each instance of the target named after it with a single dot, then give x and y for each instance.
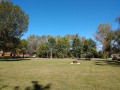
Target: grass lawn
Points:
(59, 74)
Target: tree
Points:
(32, 44)
(42, 50)
(105, 36)
(62, 47)
(13, 23)
(51, 44)
(117, 37)
(23, 46)
(76, 45)
(89, 48)
(116, 45)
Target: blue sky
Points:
(61, 17)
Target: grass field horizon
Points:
(59, 74)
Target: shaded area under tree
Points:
(35, 86)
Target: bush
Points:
(87, 55)
(5, 57)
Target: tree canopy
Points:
(57, 46)
(13, 24)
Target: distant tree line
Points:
(59, 47)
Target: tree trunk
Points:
(23, 54)
(11, 55)
(47, 54)
(51, 54)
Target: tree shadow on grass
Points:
(100, 63)
(114, 63)
(15, 59)
(35, 86)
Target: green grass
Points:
(59, 74)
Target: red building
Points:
(8, 54)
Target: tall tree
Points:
(91, 47)
(23, 46)
(51, 43)
(76, 45)
(88, 47)
(13, 23)
(42, 50)
(105, 36)
(62, 47)
(117, 41)
(32, 44)
(116, 44)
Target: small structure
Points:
(115, 56)
(75, 62)
(1, 53)
(8, 54)
(34, 56)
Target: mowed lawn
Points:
(59, 74)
